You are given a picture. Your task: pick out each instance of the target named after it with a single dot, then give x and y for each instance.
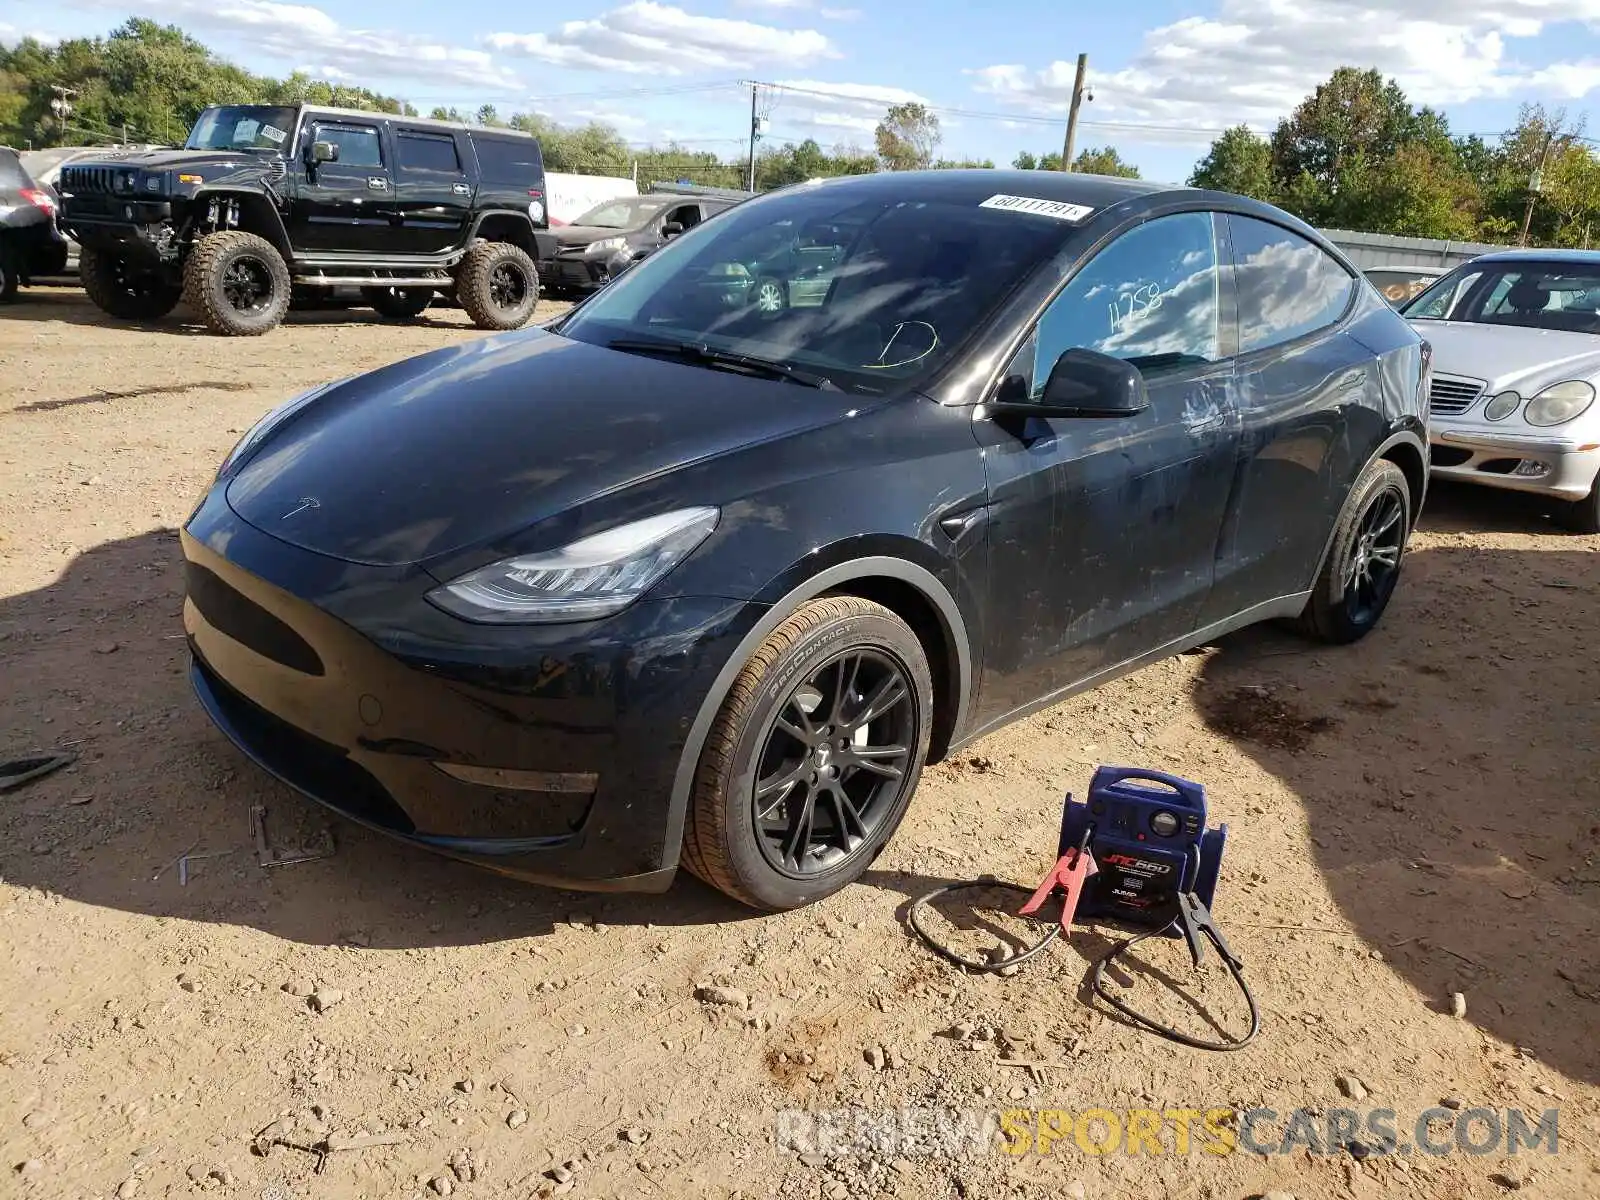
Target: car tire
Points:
(121, 293)
(238, 283)
(1583, 516)
(398, 304)
(768, 296)
(498, 286)
(1363, 566)
(764, 739)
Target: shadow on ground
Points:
(1450, 775)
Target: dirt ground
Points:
(1411, 817)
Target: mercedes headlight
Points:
(254, 435)
(604, 247)
(594, 577)
(1502, 406)
(1559, 402)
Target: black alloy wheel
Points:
(835, 762)
(1362, 568)
(247, 285)
(1372, 567)
(498, 285)
(508, 285)
(813, 756)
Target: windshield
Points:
(621, 214)
(242, 127)
(871, 295)
(1534, 295)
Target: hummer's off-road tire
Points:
(237, 282)
(119, 291)
(497, 284)
(398, 304)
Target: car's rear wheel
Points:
(1363, 567)
(497, 285)
(812, 760)
(1584, 515)
(398, 304)
(238, 283)
(118, 290)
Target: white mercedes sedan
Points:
(1516, 362)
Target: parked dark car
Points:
(673, 582)
(31, 244)
(266, 201)
(608, 239)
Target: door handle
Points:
(461, 189)
(377, 183)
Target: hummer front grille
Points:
(90, 180)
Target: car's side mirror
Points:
(671, 229)
(323, 152)
(1083, 383)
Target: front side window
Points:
(1150, 297)
(1287, 287)
(358, 144)
(904, 285)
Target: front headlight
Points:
(604, 247)
(253, 436)
(594, 577)
(1558, 403)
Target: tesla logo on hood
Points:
(305, 503)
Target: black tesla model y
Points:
(693, 575)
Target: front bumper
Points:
(1522, 461)
(346, 684)
(565, 274)
(129, 228)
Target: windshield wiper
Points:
(699, 352)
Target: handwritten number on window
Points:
(1139, 302)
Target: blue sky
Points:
(1166, 76)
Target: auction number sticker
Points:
(273, 134)
(1058, 209)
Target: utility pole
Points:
(61, 106)
(1535, 184)
(1072, 114)
(755, 132)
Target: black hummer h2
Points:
(265, 202)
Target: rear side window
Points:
(358, 144)
(1287, 287)
(514, 161)
(427, 152)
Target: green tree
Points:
(1238, 162)
(1571, 187)
(1350, 123)
(1103, 160)
(1028, 161)
(1419, 191)
(907, 137)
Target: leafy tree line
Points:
(1357, 155)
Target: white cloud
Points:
(836, 107)
(296, 32)
(645, 37)
(827, 14)
(1257, 59)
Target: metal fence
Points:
(1386, 250)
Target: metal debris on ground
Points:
(269, 856)
(19, 771)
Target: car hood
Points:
(461, 447)
(582, 235)
(1506, 356)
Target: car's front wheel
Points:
(238, 283)
(1363, 566)
(812, 760)
(1583, 516)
